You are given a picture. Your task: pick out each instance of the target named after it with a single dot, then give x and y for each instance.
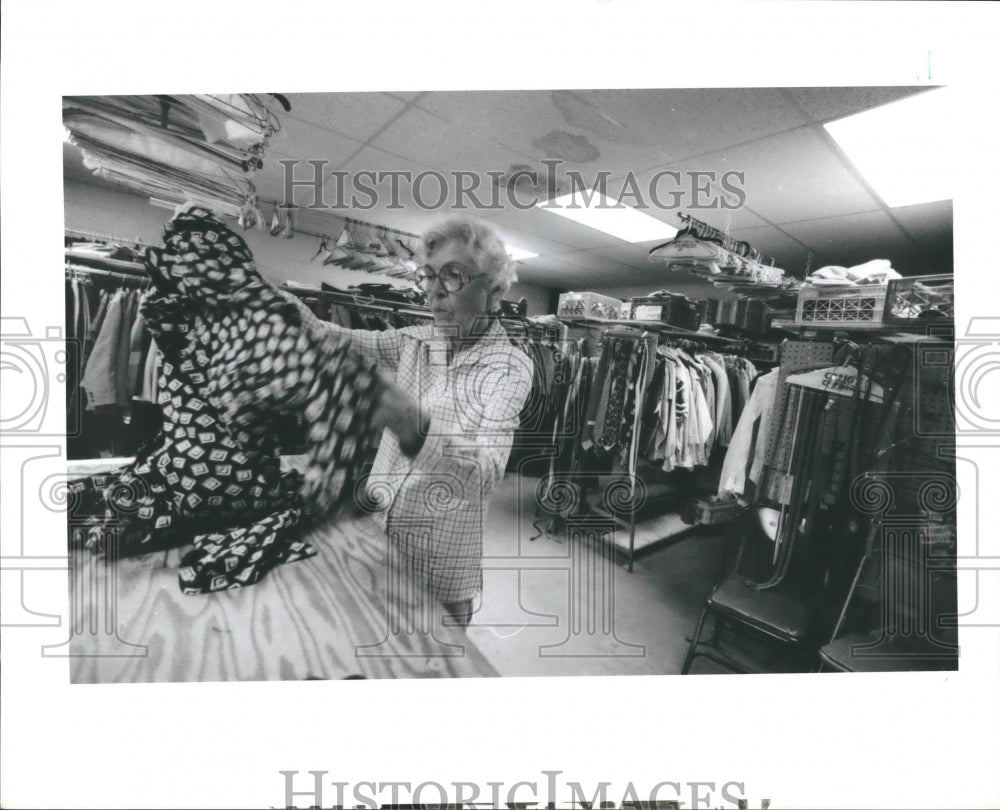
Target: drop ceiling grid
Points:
(370, 158)
(502, 118)
(871, 231)
(804, 199)
(359, 116)
(927, 223)
(686, 123)
(590, 261)
(300, 140)
(825, 104)
(426, 138)
(554, 227)
(665, 205)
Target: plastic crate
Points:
(589, 305)
(920, 297)
(864, 304)
(712, 511)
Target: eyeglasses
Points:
(453, 277)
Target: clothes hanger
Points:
(409, 251)
(277, 226)
(323, 247)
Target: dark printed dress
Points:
(236, 363)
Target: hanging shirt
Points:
(95, 327)
(100, 377)
(755, 420)
(130, 306)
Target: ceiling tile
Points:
(629, 255)
(406, 95)
(930, 223)
(556, 124)
(356, 115)
(686, 122)
(553, 227)
(824, 104)
(432, 141)
(594, 262)
(370, 159)
(665, 196)
(529, 240)
(853, 239)
(553, 272)
(793, 176)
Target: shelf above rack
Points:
(656, 326)
(937, 325)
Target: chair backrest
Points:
(901, 592)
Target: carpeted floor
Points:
(557, 607)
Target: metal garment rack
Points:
(637, 331)
(97, 236)
(114, 275)
(360, 301)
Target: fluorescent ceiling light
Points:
(602, 214)
(903, 149)
(519, 255)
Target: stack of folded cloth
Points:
(876, 271)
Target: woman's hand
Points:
(399, 412)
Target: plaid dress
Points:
(433, 506)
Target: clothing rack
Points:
(386, 228)
(346, 221)
(705, 231)
(352, 300)
(697, 341)
(114, 275)
(96, 236)
(639, 333)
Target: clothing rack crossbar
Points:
(114, 274)
(347, 299)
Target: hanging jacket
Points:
(100, 376)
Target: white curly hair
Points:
(487, 248)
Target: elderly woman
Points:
(454, 392)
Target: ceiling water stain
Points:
(567, 146)
(583, 115)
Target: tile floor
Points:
(555, 607)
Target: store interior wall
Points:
(102, 210)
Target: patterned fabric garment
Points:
(234, 358)
(608, 428)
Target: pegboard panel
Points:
(934, 386)
(794, 355)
